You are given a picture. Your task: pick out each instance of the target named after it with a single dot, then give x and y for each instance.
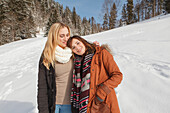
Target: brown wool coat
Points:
(105, 71)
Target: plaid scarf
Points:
(81, 83)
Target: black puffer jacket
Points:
(46, 89)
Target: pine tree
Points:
(124, 14)
(135, 18)
(120, 23)
(78, 25)
(74, 17)
(3, 10)
(99, 28)
(46, 5)
(105, 22)
(84, 23)
(95, 28)
(59, 13)
(93, 24)
(61, 10)
(52, 19)
(150, 9)
(112, 17)
(17, 20)
(167, 5)
(6, 25)
(86, 27)
(142, 9)
(160, 6)
(89, 30)
(154, 8)
(137, 10)
(130, 11)
(67, 18)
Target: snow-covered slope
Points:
(141, 51)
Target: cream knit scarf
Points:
(63, 55)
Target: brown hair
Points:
(89, 46)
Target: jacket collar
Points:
(98, 49)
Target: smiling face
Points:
(78, 47)
(63, 37)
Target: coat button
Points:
(92, 69)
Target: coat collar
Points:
(98, 49)
(97, 54)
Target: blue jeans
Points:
(63, 108)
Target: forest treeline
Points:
(22, 19)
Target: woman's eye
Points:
(67, 35)
(61, 36)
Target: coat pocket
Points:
(100, 107)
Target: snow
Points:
(141, 51)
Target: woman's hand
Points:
(96, 43)
(99, 106)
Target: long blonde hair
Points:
(52, 42)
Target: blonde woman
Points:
(55, 72)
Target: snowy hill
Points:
(141, 51)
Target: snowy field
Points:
(141, 51)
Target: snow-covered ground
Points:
(141, 51)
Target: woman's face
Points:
(63, 37)
(78, 47)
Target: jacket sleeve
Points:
(115, 76)
(42, 89)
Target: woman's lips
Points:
(65, 43)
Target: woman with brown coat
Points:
(95, 75)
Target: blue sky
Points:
(86, 8)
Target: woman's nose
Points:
(77, 48)
(66, 38)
